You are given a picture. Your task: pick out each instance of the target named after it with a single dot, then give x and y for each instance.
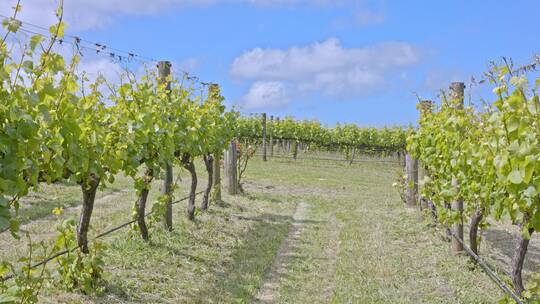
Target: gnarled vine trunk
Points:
(190, 166)
(216, 178)
(517, 262)
(473, 231)
(89, 188)
(141, 205)
(448, 230)
(166, 190)
(423, 203)
(208, 162)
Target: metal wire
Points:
(334, 159)
(97, 46)
(360, 147)
(63, 252)
(81, 44)
(488, 270)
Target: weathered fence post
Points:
(216, 178)
(457, 92)
(230, 169)
(402, 160)
(164, 70)
(288, 144)
(271, 135)
(212, 162)
(411, 167)
(279, 142)
(425, 108)
(421, 174)
(264, 136)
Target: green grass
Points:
(354, 242)
(362, 245)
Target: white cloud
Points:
(368, 17)
(297, 63)
(360, 18)
(326, 67)
(88, 14)
(94, 68)
(266, 94)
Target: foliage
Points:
(27, 282)
(57, 125)
(76, 271)
(400, 184)
(532, 293)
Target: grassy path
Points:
(304, 232)
(268, 293)
(361, 245)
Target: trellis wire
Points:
(363, 147)
(82, 44)
(488, 270)
(335, 159)
(61, 253)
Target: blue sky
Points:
(335, 61)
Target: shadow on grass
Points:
(235, 277)
(505, 243)
(43, 208)
(275, 218)
(244, 272)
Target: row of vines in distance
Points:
(315, 135)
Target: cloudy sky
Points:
(360, 61)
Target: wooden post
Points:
(425, 108)
(271, 135)
(457, 92)
(216, 178)
(411, 167)
(421, 174)
(230, 169)
(288, 146)
(164, 70)
(226, 166)
(295, 149)
(213, 90)
(352, 156)
(264, 136)
(279, 141)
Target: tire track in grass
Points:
(269, 291)
(332, 253)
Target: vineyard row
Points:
(478, 164)
(60, 125)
